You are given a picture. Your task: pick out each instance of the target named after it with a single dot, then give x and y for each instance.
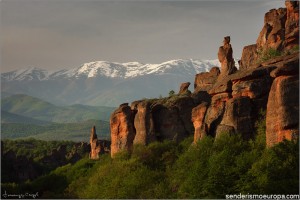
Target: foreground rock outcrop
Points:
(146, 121)
(282, 118)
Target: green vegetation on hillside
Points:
(56, 131)
(209, 169)
(30, 158)
(35, 108)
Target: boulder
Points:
(122, 129)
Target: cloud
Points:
(65, 34)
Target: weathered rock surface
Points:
(249, 56)
(292, 25)
(226, 59)
(122, 129)
(198, 116)
(151, 120)
(237, 115)
(98, 146)
(282, 118)
(280, 32)
(204, 81)
(184, 87)
(237, 99)
(95, 147)
(272, 35)
(143, 123)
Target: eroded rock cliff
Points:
(226, 100)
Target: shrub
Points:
(267, 54)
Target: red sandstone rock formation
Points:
(225, 58)
(144, 125)
(249, 57)
(282, 118)
(292, 25)
(198, 115)
(280, 32)
(122, 129)
(184, 87)
(237, 117)
(272, 35)
(228, 101)
(205, 80)
(95, 147)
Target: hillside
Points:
(77, 132)
(7, 117)
(38, 109)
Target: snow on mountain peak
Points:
(115, 70)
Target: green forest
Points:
(211, 168)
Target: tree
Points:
(171, 93)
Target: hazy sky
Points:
(57, 34)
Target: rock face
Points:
(237, 117)
(95, 147)
(151, 120)
(225, 58)
(144, 125)
(184, 87)
(249, 56)
(122, 129)
(282, 120)
(237, 99)
(198, 115)
(280, 32)
(292, 25)
(272, 35)
(205, 80)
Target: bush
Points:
(267, 54)
(210, 168)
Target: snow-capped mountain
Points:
(114, 70)
(104, 83)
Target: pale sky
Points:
(59, 34)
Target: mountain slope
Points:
(113, 70)
(7, 117)
(104, 83)
(38, 109)
(79, 131)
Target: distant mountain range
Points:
(23, 116)
(104, 83)
(29, 110)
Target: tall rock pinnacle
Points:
(225, 58)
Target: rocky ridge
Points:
(226, 100)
